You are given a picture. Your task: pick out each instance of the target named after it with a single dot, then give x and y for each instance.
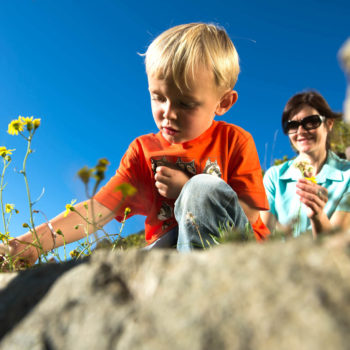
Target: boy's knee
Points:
(202, 187)
(204, 182)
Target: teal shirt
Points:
(280, 184)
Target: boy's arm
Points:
(73, 227)
(251, 212)
(269, 220)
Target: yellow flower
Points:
(126, 189)
(74, 254)
(100, 168)
(15, 126)
(84, 174)
(9, 207)
(36, 123)
(312, 179)
(69, 207)
(102, 164)
(127, 211)
(28, 122)
(5, 152)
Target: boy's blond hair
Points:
(179, 51)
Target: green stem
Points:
(6, 164)
(1, 198)
(298, 222)
(119, 235)
(34, 233)
(93, 224)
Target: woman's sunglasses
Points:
(308, 123)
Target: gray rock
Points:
(293, 295)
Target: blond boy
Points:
(195, 174)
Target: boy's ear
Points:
(226, 102)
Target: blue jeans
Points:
(205, 203)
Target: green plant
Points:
(26, 127)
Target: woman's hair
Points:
(312, 99)
(308, 98)
(179, 51)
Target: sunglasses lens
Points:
(291, 127)
(312, 122)
(308, 123)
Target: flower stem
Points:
(1, 198)
(34, 233)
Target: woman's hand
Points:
(169, 181)
(315, 198)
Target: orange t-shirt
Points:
(223, 150)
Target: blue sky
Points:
(75, 65)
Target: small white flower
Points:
(190, 217)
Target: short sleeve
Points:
(270, 188)
(246, 174)
(131, 171)
(344, 203)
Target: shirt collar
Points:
(330, 169)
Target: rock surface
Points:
(292, 295)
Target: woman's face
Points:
(309, 141)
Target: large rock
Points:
(292, 295)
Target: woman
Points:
(315, 197)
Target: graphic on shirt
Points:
(188, 167)
(165, 212)
(212, 168)
(159, 162)
(165, 225)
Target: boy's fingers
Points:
(161, 178)
(3, 249)
(163, 170)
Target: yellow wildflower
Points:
(74, 254)
(3, 238)
(312, 179)
(5, 152)
(27, 122)
(100, 168)
(84, 174)
(9, 207)
(102, 164)
(36, 123)
(15, 126)
(126, 189)
(69, 207)
(127, 211)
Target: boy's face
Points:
(183, 116)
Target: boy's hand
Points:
(169, 181)
(17, 254)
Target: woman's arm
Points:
(341, 220)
